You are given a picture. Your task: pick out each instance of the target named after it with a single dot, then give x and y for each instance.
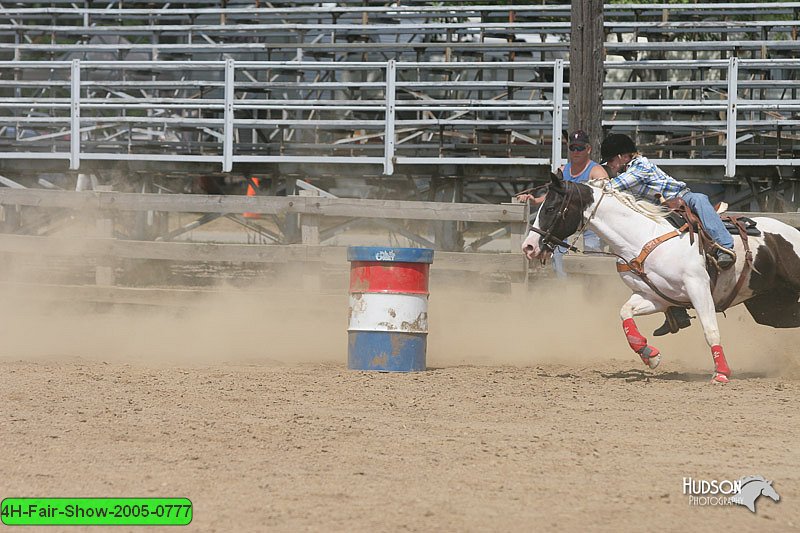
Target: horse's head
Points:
(561, 214)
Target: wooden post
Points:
(517, 229)
(309, 224)
(11, 217)
(586, 73)
(447, 234)
(104, 268)
(290, 222)
(309, 233)
(141, 218)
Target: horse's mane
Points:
(648, 209)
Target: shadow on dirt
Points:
(644, 375)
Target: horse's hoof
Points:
(720, 378)
(654, 362)
(650, 356)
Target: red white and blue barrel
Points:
(388, 328)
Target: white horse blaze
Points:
(531, 245)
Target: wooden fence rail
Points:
(311, 210)
(270, 205)
(102, 206)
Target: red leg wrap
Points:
(720, 364)
(635, 339)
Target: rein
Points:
(636, 265)
(548, 239)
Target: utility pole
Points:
(586, 73)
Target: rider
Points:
(637, 175)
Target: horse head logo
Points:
(752, 488)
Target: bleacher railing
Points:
(719, 113)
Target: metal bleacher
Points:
(407, 89)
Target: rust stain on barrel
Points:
(359, 284)
(398, 342)
(359, 306)
(417, 326)
(380, 359)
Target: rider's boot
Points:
(676, 318)
(724, 257)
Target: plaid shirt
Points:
(645, 180)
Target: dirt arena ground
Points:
(533, 415)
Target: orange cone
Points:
(252, 184)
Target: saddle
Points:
(685, 220)
(678, 217)
(681, 216)
(748, 223)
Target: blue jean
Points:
(700, 204)
(591, 243)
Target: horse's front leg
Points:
(638, 305)
(703, 303)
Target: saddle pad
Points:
(678, 221)
(749, 226)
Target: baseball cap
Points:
(578, 137)
(615, 144)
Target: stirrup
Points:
(717, 255)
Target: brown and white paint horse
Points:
(675, 268)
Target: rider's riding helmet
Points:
(615, 144)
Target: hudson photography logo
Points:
(744, 491)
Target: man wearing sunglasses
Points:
(579, 169)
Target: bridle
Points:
(634, 266)
(550, 241)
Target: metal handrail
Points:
(75, 112)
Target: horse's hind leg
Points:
(638, 305)
(703, 303)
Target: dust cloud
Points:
(572, 322)
(224, 325)
(576, 321)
